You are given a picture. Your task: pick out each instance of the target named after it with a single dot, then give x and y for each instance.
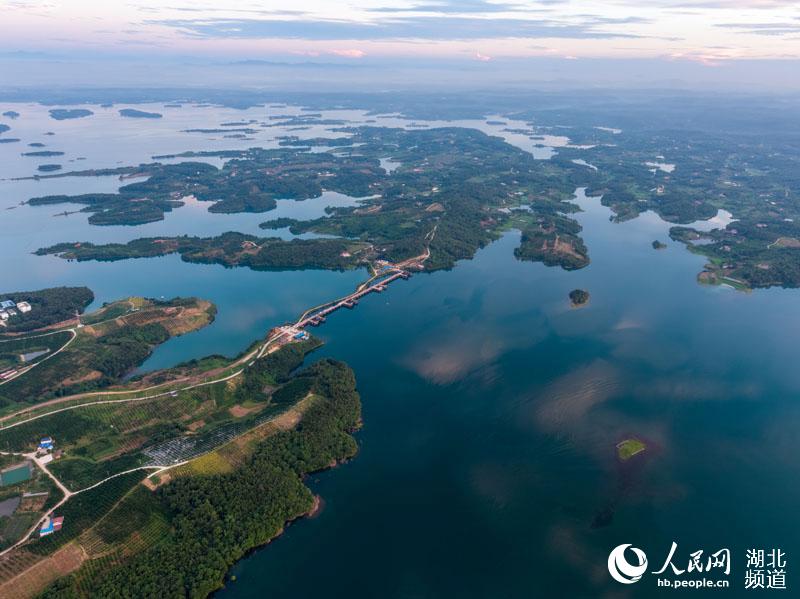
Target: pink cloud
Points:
(349, 53)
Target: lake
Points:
(492, 408)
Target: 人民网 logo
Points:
(621, 569)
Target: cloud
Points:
(420, 27)
(454, 7)
(568, 399)
(725, 4)
(763, 28)
(349, 53)
(482, 57)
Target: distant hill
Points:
(61, 114)
(132, 113)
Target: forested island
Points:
(43, 153)
(61, 114)
(133, 113)
(579, 297)
(228, 249)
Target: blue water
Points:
(492, 408)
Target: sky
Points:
(710, 33)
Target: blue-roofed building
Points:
(7, 304)
(46, 443)
(51, 525)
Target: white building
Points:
(3, 315)
(24, 307)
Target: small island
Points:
(43, 154)
(48, 168)
(132, 113)
(628, 448)
(579, 297)
(61, 114)
(11, 114)
(659, 245)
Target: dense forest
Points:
(61, 114)
(214, 520)
(48, 306)
(228, 249)
(579, 297)
(133, 113)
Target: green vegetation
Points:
(243, 185)
(41, 493)
(471, 187)
(132, 113)
(215, 519)
(228, 249)
(48, 168)
(468, 197)
(630, 447)
(554, 242)
(48, 307)
(694, 170)
(659, 245)
(747, 255)
(79, 472)
(43, 153)
(84, 509)
(61, 114)
(17, 352)
(579, 297)
(103, 353)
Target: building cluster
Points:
(46, 451)
(10, 308)
(51, 525)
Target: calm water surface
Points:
(492, 409)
